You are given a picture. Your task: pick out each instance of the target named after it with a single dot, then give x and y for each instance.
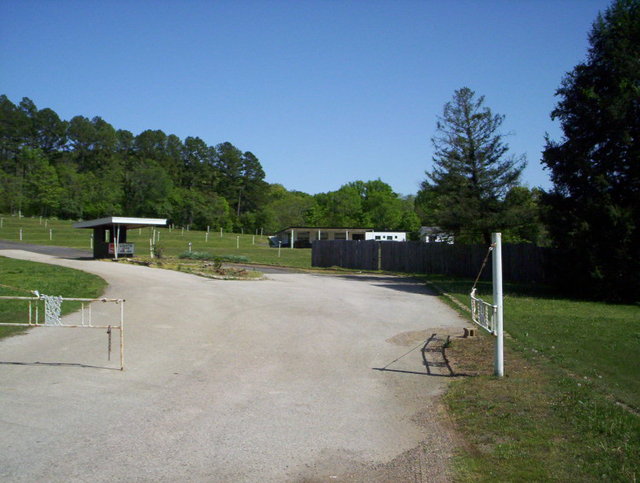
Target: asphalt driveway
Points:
(269, 380)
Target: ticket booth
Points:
(110, 234)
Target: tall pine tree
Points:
(593, 210)
(472, 171)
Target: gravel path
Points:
(270, 380)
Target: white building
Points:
(386, 236)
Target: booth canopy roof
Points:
(126, 222)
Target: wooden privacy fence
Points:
(520, 262)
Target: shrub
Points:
(212, 257)
(197, 255)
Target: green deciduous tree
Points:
(86, 168)
(472, 170)
(364, 204)
(593, 210)
(286, 208)
(147, 188)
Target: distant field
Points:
(60, 233)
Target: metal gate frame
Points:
(86, 321)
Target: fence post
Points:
(497, 301)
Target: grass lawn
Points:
(172, 241)
(567, 409)
(19, 278)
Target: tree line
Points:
(591, 216)
(85, 168)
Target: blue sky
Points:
(322, 92)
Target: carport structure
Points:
(110, 234)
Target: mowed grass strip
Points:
(19, 278)
(172, 242)
(567, 408)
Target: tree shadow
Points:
(394, 282)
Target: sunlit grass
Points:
(555, 416)
(20, 278)
(173, 241)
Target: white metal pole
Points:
(50, 234)
(497, 301)
(122, 335)
(279, 248)
(20, 234)
(116, 245)
(237, 241)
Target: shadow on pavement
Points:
(393, 282)
(58, 364)
(56, 251)
(434, 359)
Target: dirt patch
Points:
(414, 337)
(429, 461)
(407, 339)
(471, 356)
(204, 268)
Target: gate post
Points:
(497, 301)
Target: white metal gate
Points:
(45, 311)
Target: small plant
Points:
(234, 258)
(217, 263)
(197, 255)
(158, 250)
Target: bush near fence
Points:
(520, 262)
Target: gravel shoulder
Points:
(271, 380)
